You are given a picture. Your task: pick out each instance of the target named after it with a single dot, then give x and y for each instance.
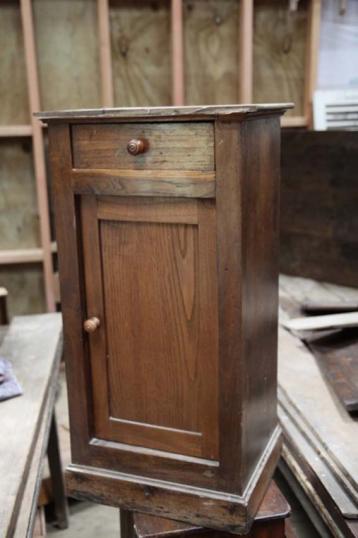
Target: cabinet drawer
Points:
(140, 146)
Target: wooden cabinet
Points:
(167, 228)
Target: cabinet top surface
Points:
(183, 112)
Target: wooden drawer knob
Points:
(136, 146)
(91, 324)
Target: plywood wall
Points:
(280, 53)
(211, 41)
(13, 89)
(67, 45)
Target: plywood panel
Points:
(13, 90)
(26, 289)
(67, 44)
(280, 53)
(140, 38)
(18, 205)
(211, 51)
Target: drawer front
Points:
(140, 146)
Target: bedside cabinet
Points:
(167, 230)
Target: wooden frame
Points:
(34, 129)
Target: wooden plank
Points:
(211, 57)
(326, 322)
(34, 346)
(178, 92)
(280, 41)
(246, 50)
(14, 256)
(328, 431)
(190, 184)
(105, 53)
(202, 113)
(140, 37)
(26, 519)
(15, 130)
(337, 355)
(67, 45)
(13, 88)
(38, 148)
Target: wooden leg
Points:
(58, 484)
(126, 524)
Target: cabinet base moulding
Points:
(214, 509)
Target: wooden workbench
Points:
(33, 344)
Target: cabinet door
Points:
(150, 278)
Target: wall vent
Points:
(335, 110)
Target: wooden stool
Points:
(270, 522)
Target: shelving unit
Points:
(88, 53)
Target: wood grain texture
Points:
(155, 382)
(211, 57)
(13, 88)
(177, 301)
(248, 280)
(269, 522)
(169, 146)
(168, 113)
(260, 252)
(34, 346)
(66, 38)
(319, 194)
(213, 509)
(18, 210)
(317, 422)
(280, 38)
(140, 38)
(145, 183)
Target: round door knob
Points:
(136, 146)
(91, 324)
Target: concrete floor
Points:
(88, 520)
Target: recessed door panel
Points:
(154, 356)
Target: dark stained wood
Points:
(173, 396)
(248, 275)
(319, 195)
(337, 355)
(169, 146)
(57, 478)
(269, 522)
(4, 314)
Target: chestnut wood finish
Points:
(269, 522)
(173, 394)
(142, 146)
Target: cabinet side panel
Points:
(228, 205)
(260, 147)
